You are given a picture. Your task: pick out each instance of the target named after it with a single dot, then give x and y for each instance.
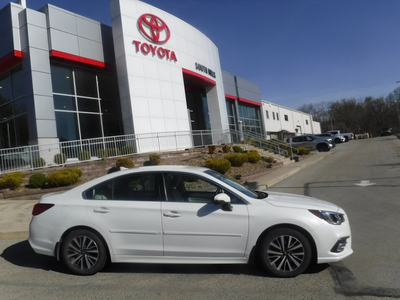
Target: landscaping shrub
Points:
(211, 149)
(60, 158)
(219, 165)
(269, 159)
(38, 162)
(127, 150)
(37, 180)
(154, 159)
(11, 180)
(125, 162)
(303, 151)
(113, 152)
(102, 153)
(237, 159)
(226, 149)
(253, 156)
(62, 178)
(237, 149)
(84, 155)
(77, 171)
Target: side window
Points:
(136, 187)
(194, 189)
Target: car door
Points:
(193, 226)
(127, 210)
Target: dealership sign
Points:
(157, 32)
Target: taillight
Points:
(41, 207)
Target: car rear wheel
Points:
(322, 147)
(83, 252)
(285, 252)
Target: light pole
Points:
(398, 112)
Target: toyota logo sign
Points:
(153, 28)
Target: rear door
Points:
(127, 211)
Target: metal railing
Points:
(62, 153)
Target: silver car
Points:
(312, 142)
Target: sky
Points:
(297, 51)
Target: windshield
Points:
(232, 183)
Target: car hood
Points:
(298, 201)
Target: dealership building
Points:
(64, 77)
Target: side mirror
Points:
(223, 199)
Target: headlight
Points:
(331, 217)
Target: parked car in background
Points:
(186, 215)
(386, 131)
(312, 142)
(344, 137)
(326, 136)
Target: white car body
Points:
(192, 232)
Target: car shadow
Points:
(21, 254)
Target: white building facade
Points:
(281, 122)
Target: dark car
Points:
(386, 131)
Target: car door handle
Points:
(101, 210)
(172, 214)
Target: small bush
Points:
(154, 159)
(303, 151)
(226, 149)
(60, 158)
(76, 171)
(11, 180)
(125, 162)
(237, 159)
(62, 178)
(212, 149)
(127, 150)
(219, 165)
(113, 152)
(237, 149)
(84, 155)
(253, 156)
(37, 180)
(38, 162)
(102, 153)
(269, 159)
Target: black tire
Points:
(346, 138)
(285, 252)
(338, 141)
(322, 148)
(83, 252)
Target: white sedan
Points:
(182, 214)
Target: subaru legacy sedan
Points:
(186, 215)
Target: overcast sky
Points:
(297, 51)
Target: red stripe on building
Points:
(250, 102)
(230, 97)
(198, 78)
(10, 60)
(76, 58)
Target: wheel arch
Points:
(290, 226)
(64, 235)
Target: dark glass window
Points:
(21, 124)
(112, 125)
(17, 82)
(108, 87)
(110, 107)
(67, 127)
(62, 80)
(64, 102)
(85, 83)
(7, 134)
(6, 111)
(19, 106)
(5, 89)
(88, 105)
(90, 126)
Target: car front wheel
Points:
(83, 252)
(285, 252)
